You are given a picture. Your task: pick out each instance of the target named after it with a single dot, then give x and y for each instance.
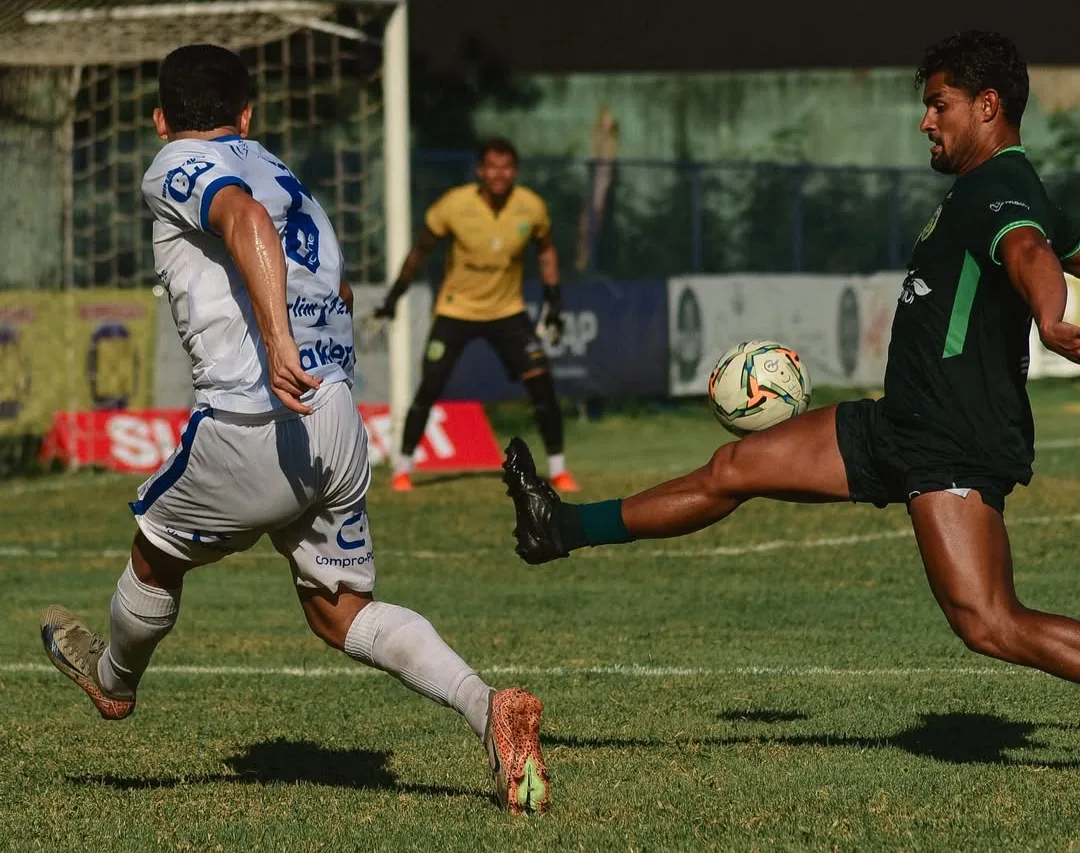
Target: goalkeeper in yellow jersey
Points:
(491, 223)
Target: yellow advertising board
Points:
(78, 350)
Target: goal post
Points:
(78, 82)
(398, 207)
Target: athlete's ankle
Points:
(592, 524)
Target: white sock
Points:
(404, 465)
(141, 617)
(556, 464)
(404, 644)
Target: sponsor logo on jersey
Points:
(483, 268)
(996, 206)
(326, 351)
(304, 309)
(912, 287)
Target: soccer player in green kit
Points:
(953, 433)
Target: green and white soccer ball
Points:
(757, 384)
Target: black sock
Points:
(541, 390)
(415, 424)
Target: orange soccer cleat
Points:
(565, 482)
(401, 482)
(512, 741)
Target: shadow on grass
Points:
(290, 762)
(951, 738)
(425, 480)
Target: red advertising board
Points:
(458, 438)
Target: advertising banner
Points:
(73, 350)
(614, 344)
(839, 325)
(458, 438)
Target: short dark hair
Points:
(496, 145)
(976, 60)
(202, 87)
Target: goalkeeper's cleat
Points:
(75, 650)
(536, 507)
(512, 741)
(401, 482)
(565, 482)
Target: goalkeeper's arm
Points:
(422, 246)
(551, 314)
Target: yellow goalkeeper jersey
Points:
(485, 262)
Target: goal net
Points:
(78, 82)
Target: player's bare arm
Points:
(345, 292)
(1035, 271)
(422, 246)
(255, 247)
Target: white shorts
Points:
(301, 480)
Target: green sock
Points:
(592, 524)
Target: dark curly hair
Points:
(976, 60)
(202, 87)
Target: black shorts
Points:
(886, 465)
(513, 338)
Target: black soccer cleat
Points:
(536, 507)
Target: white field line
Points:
(1057, 444)
(16, 551)
(61, 482)
(837, 541)
(56, 484)
(629, 671)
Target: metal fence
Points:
(658, 218)
(663, 218)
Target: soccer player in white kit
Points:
(275, 444)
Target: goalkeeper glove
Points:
(550, 325)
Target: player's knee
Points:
(726, 471)
(985, 628)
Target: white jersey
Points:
(209, 300)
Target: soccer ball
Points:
(757, 384)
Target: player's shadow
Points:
(289, 762)
(438, 479)
(951, 738)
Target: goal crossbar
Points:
(33, 33)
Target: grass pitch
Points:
(783, 681)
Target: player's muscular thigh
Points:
(798, 459)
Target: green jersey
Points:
(954, 384)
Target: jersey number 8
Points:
(301, 234)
